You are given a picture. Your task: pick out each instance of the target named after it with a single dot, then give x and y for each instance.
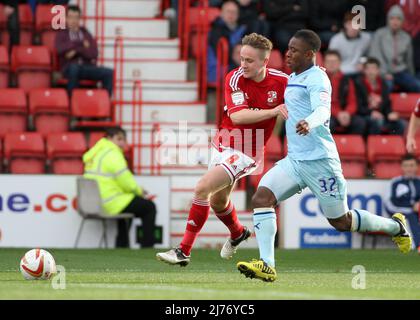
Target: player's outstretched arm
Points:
(414, 124)
(248, 116)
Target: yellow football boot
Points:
(257, 269)
(403, 239)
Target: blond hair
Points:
(258, 41)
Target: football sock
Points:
(265, 227)
(363, 221)
(199, 212)
(229, 217)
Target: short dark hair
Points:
(333, 53)
(75, 8)
(113, 131)
(372, 60)
(310, 38)
(409, 156)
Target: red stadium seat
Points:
(352, 151)
(50, 109)
(198, 14)
(93, 107)
(65, 151)
(25, 152)
(1, 156)
(273, 149)
(4, 67)
(26, 20)
(276, 60)
(13, 111)
(43, 25)
(404, 103)
(32, 65)
(384, 154)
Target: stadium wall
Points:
(39, 211)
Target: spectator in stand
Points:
(224, 26)
(404, 196)
(285, 17)
(416, 50)
(392, 46)
(375, 13)
(250, 15)
(326, 18)
(411, 9)
(352, 44)
(344, 119)
(374, 102)
(11, 13)
(77, 53)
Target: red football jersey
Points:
(417, 109)
(242, 93)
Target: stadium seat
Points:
(197, 15)
(384, 154)
(1, 156)
(32, 65)
(92, 107)
(276, 60)
(352, 151)
(25, 152)
(13, 111)
(43, 25)
(94, 137)
(50, 109)
(273, 149)
(4, 67)
(65, 151)
(404, 103)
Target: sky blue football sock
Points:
(265, 227)
(363, 221)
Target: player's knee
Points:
(202, 190)
(260, 200)
(340, 224)
(219, 203)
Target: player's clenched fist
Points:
(281, 110)
(302, 128)
(411, 145)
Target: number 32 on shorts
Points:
(328, 185)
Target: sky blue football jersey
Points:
(304, 93)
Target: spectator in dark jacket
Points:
(344, 119)
(11, 13)
(285, 18)
(326, 18)
(251, 16)
(374, 102)
(404, 196)
(77, 52)
(224, 26)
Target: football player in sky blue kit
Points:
(312, 162)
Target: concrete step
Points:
(160, 112)
(133, 28)
(145, 49)
(168, 70)
(163, 91)
(126, 8)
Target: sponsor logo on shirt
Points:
(238, 98)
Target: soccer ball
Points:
(37, 264)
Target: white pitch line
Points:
(297, 295)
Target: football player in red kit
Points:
(254, 99)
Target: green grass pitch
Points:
(135, 274)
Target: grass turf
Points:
(135, 274)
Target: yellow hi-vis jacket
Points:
(105, 163)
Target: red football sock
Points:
(198, 215)
(229, 217)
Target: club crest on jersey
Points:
(272, 98)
